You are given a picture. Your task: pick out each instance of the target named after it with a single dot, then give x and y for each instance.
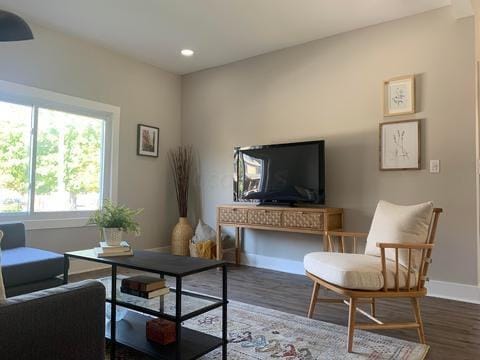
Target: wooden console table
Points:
(307, 220)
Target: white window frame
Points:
(30, 96)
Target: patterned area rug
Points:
(260, 333)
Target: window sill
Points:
(39, 224)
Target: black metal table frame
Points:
(178, 318)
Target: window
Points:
(55, 156)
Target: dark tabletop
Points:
(152, 261)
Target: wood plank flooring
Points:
(452, 328)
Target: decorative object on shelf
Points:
(147, 287)
(181, 163)
(13, 27)
(114, 220)
(399, 95)
(147, 140)
(400, 145)
(161, 331)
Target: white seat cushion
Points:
(399, 224)
(355, 271)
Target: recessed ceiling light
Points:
(187, 52)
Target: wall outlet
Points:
(434, 166)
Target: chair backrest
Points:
(427, 255)
(13, 235)
(399, 224)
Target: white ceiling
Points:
(220, 31)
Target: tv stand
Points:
(276, 204)
(306, 220)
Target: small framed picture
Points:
(147, 140)
(400, 145)
(399, 96)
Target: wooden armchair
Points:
(383, 276)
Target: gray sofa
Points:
(26, 269)
(67, 322)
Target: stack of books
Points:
(143, 286)
(105, 250)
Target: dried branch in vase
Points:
(181, 163)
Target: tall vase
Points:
(181, 235)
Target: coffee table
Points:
(130, 331)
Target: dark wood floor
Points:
(452, 328)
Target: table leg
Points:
(113, 313)
(224, 312)
(238, 243)
(66, 266)
(178, 315)
(162, 298)
(219, 242)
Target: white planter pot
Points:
(112, 236)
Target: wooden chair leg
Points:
(373, 310)
(313, 299)
(351, 322)
(418, 319)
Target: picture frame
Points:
(147, 140)
(399, 96)
(400, 147)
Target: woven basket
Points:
(181, 236)
(205, 249)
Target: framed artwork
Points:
(399, 96)
(400, 145)
(147, 140)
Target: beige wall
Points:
(144, 93)
(332, 89)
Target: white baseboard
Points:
(436, 288)
(82, 266)
(272, 263)
(454, 291)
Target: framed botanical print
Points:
(399, 95)
(400, 145)
(147, 140)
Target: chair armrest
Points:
(341, 236)
(404, 246)
(67, 322)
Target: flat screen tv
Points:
(281, 173)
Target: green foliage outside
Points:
(68, 157)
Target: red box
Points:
(161, 331)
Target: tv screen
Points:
(280, 173)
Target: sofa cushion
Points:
(355, 271)
(25, 265)
(13, 235)
(2, 288)
(399, 224)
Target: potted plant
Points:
(114, 220)
(181, 163)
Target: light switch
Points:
(434, 166)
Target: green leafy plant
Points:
(116, 216)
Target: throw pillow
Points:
(203, 232)
(399, 224)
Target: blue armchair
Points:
(27, 269)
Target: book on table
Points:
(144, 286)
(145, 294)
(105, 250)
(143, 283)
(99, 252)
(123, 247)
